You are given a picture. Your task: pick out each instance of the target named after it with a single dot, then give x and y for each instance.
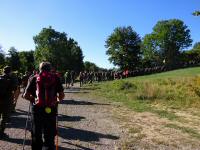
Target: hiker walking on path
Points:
(81, 77)
(67, 76)
(8, 87)
(42, 91)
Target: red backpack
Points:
(46, 93)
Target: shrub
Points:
(123, 85)
(196, 85)
(126, 85)
(149, 91)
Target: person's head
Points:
(45, 66)
(7, 70)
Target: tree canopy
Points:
(168, 39)
(123, 47)
(2, 58)
(27, 61)
(55, 47)
(13, 59)
(196, 13)
(89, 66)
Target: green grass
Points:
(188, 72)
(178, 89)
(187, 130)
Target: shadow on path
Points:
(82, 135)
(69, 118)
(77, 102)
(81, 147)
(16, 140)
(18, 120)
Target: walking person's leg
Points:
(50, 131)
(6, 111)
(36, 132)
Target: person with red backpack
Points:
(42, 91)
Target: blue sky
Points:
(89, 22)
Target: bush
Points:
(149, 91)
(124, 85)
(196, 86)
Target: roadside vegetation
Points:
(167, 103)
(158, 93)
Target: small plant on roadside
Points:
(124, 85)
(196, 85)
(190, 131)
(149, 91)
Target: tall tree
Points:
(151, 57)
(196, 46)
(55, 47)
(89, 66)
(196, 13)
(168, 39)
(2, 57)
(13, 58)
(194, 53)
(27, 61)
(75, 55)
(123, 48)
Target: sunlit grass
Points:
(178, 89)
(187, 130)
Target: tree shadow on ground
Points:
(79, 102)
(82, 135)
(76, 92)
(18, 120)
(82, 88)
(62, 117)
(78, 146)
(63, 148)
(90, 88)
(16, 140)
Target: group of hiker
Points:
(44, 90)
(9, 92)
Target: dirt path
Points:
(95, 125)
(83, 124)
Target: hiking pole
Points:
(24, 141)
(57, 132)
(57, 126)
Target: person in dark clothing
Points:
(8, 88)
(67, 79)
(81, 77)
(42, 91)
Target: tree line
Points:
(165, 46)
(50, 45)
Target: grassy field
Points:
(160, 111)
(157, 93)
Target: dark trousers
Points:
(5, 111)
(43, 129)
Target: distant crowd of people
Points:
(44, 89)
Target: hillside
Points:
(159, 111)
(178, 89)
